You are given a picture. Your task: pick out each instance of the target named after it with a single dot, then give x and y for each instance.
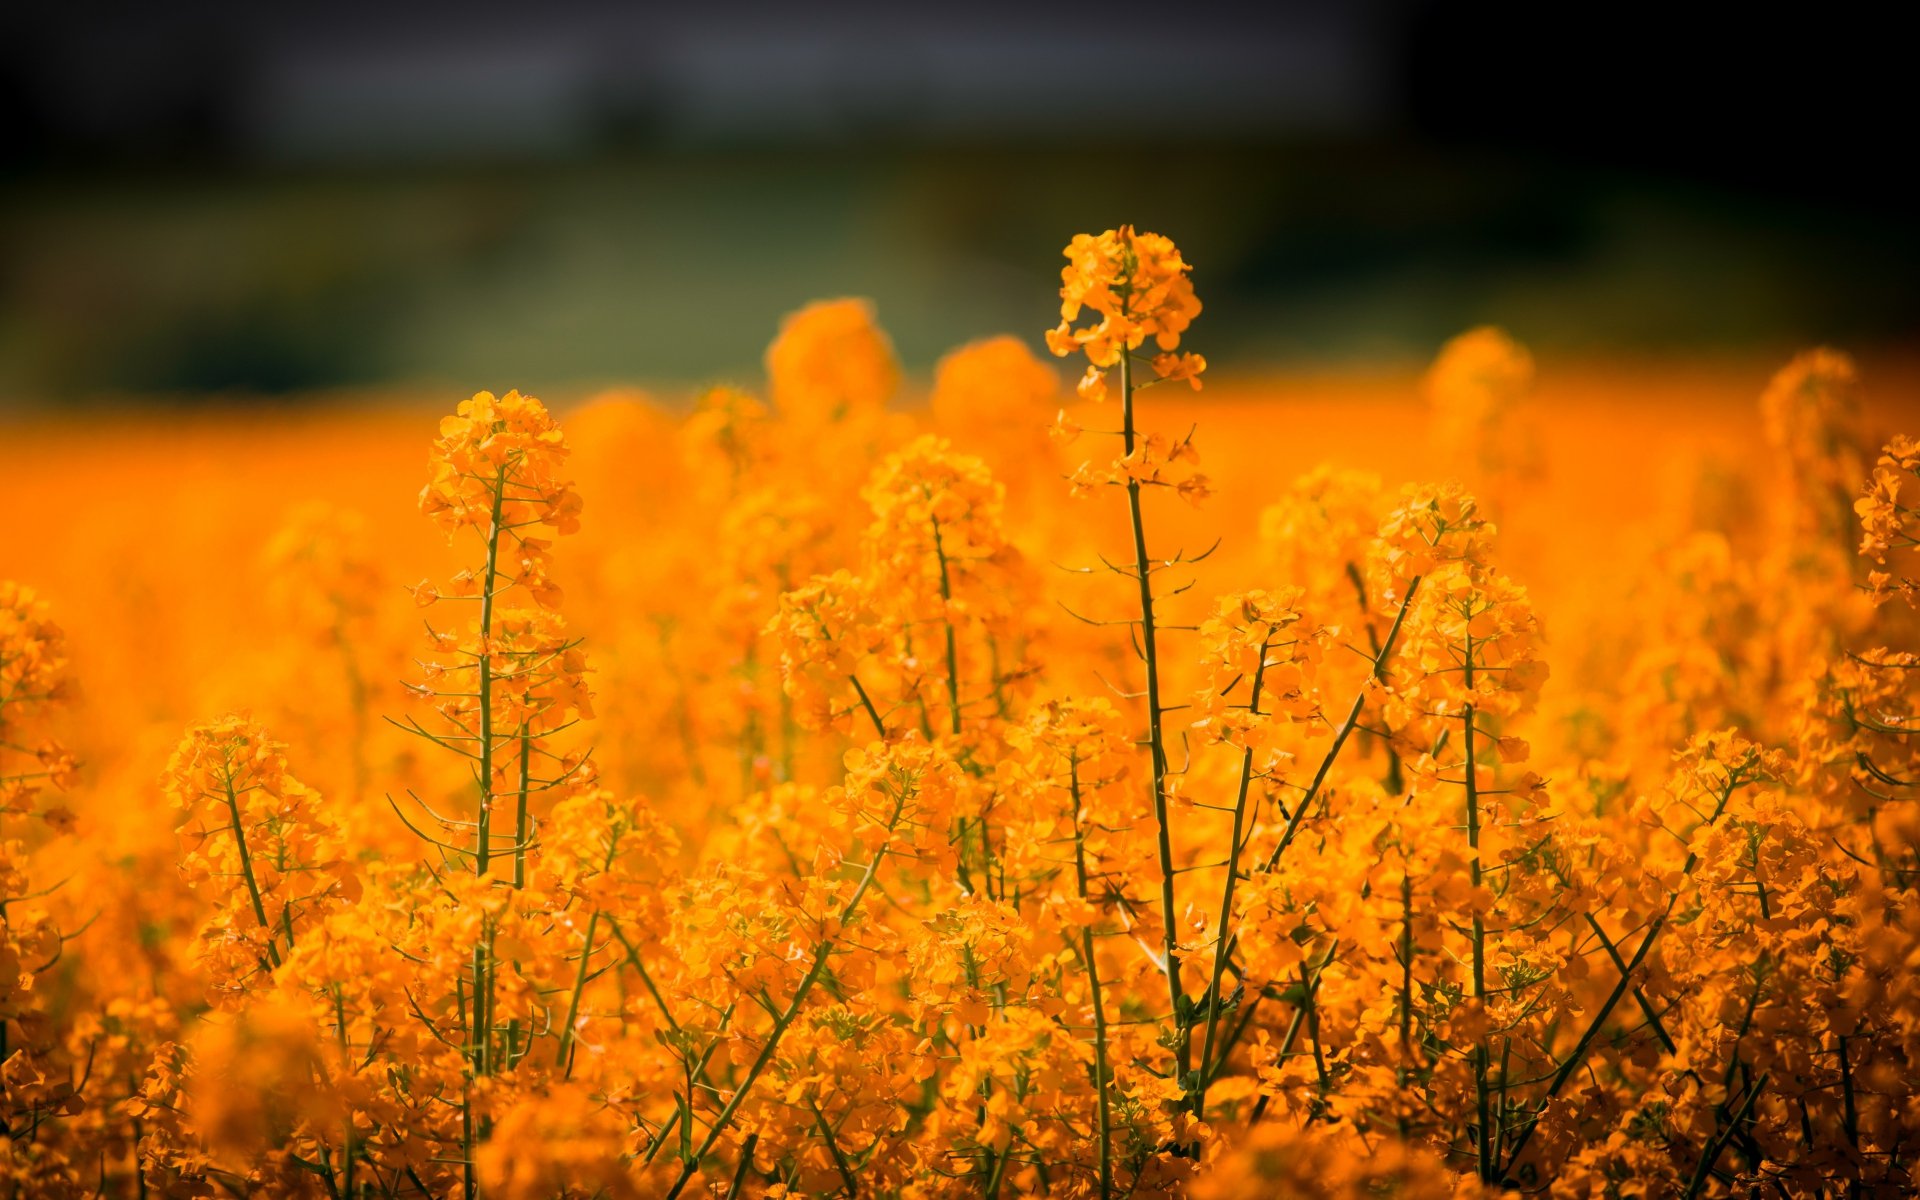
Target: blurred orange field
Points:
(153, 525)
(134, 506)
(1529, 803)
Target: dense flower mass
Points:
(840, 812)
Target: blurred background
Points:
(256, 202)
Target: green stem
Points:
(1169, 912)
(563, 1058)
(1223, 940)
(994, 1176)
(482, 1017)
(1311, 1008)
(346, 1064)
(1849, 1112)
(520, 808)
(1484, 1148)
(946, 620)
(483, 825)
(1710, 1154)
(866, 702)
(833, 1146)
(1320, 777)
(1101, 1072)
(246, 866)
(953, 695)
(467, 1184)
(639, 965)
(746, 1164)
(482, 1014)
(1406, 971)
(1295, 1024)
(1658, 1026)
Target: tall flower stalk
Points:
(1138, 286)
(507, 683)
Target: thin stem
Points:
(482, 1007)
(246, 866)
(873, 714)
(953, 695)
(833, 1146)
(1223, 940)
(520, 807)
(483, 837)
(1101, 1072)
(1149, 650)
(483, 823)
(1658, 1026)
(563, 1056)
(1294, 1026)
(1717, 1145)
(1846, 1089)
(1484, 1147)
(953, 653)
(1310, 1007)
(1406, 972)
(746, 1163)
(346, 1061)
(633, 957)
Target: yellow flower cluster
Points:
(917, 835)
(496, 463)
(33, 680)
(1139, 287)
(1890, 528)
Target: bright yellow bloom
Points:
(1137, 285)
(497, 463)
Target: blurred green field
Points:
(663, 267)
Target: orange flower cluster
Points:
(33, 679)
(1138, 285)
(1888, 527)
(915, 834)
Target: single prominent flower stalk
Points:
(1467, 605)
(1137, 284)
(1156, 736)
(936, 555)
(1481, 632)
(480, 997)
(496, 470)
